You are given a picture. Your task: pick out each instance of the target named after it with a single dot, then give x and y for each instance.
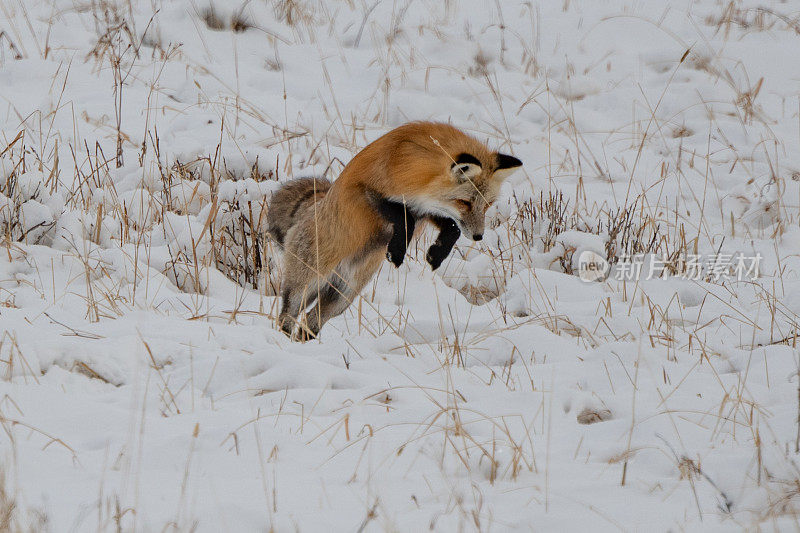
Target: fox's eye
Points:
(464, 204)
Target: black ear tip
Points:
(507, 161)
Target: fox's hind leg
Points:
(299, 290)
(333, 298)
(342, 288)
(291, 306)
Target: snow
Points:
(143, 385)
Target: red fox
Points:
(335, 235)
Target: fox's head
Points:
(438, 170)
(475, 185)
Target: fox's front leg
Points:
(403, 223)
(448, 235)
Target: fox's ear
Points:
(466, 168)
(506, 165)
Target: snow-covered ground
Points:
(143, 385)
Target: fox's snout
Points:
(472, 224)
(475, 234)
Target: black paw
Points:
(396, 253)
(286, 325)
(436, 256)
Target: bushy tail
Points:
(288, 202)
